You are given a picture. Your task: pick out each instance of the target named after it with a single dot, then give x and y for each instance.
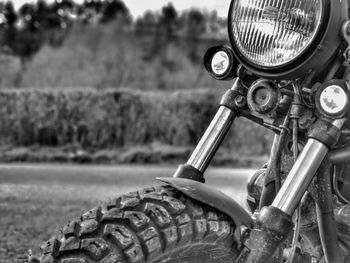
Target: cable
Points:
(295, 117)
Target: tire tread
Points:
(136, 228)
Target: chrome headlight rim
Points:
(321, 49)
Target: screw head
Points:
(240, 101)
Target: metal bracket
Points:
(346, 36)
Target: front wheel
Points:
(151, 225)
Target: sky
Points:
(138, 7)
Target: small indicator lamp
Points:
(219, 61)
(332, 99)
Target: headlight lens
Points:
(333, 99)
(273, 33)
(220, 63)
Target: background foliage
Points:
(98, 44)
(90, 77)
(91, 120)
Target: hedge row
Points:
(115, 119)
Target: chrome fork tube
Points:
(300, 176)
(231, 104)
(212, 139)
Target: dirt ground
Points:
(36, 200)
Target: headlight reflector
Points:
(272, 34)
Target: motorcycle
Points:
(289, 63)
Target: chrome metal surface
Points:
(300, 176)
(212, 139)
(339, 123)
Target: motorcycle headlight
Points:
(274, 33)
(277, 37)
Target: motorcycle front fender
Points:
(213, 198)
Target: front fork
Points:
(204, 152)
(273, 223)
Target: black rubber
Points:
(151, 225)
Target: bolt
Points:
(240, 101)
(314, 260)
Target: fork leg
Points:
(274, 223)
(214, 135)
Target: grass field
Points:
(36, 200)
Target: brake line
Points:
(295, 115)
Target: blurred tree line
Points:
(99, 44)
(24, 31)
